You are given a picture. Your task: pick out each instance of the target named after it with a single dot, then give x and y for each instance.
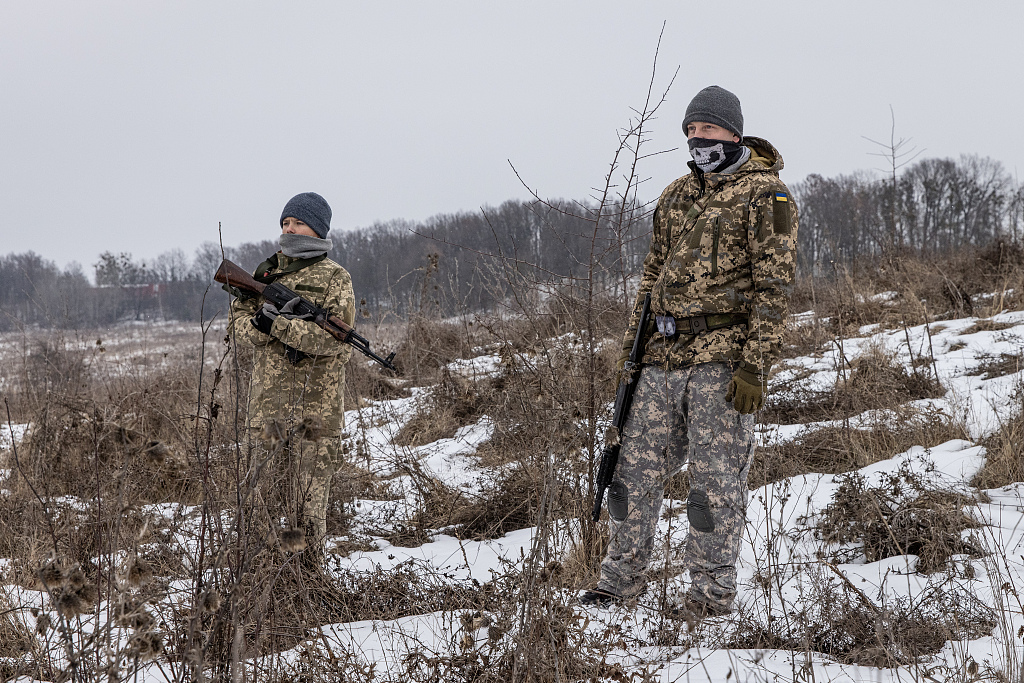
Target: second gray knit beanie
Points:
(311, 209)
(716, 105)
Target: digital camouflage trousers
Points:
(677, 417)
(293, 486)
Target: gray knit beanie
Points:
(311, 209)
(715, 105)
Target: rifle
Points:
(235, 276)
(623, 402)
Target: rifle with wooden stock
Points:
(233, 275)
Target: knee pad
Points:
(698, 511)
(618, 501)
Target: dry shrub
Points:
(364, 381)
(987, 325)
(16, 640)
(408, 589)
(453, 403)
(993, 366)
(838, 620)
(509, 502)
(876, 380)
(902, 515)
(565, 313)
(1004, 451)
(805, 337)
(282, 602)
(967, 282)
(53, 366)
(522, 631)
(429, 345)
(834, 450)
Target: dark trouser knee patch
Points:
(698, 511)
(618, 501)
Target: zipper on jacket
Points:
(714, 248)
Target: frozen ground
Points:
(779, 535)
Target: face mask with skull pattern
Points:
(713, 155)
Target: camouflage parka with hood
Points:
(722, 244)
(313, 387)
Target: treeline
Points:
(474, 261)
(448, 263)
(932, 207)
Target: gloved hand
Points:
(288, 310)
(264, 318)
(619, 365)
(746, 390)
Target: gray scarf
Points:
(304, 246)
(735, 166)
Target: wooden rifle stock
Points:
(235, 276)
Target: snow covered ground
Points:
(780, 541)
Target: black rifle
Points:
(277, 294)
(623, 401)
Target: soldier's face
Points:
(709, 131)
(294, 226)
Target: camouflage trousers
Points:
(681, 416)
(293, 486)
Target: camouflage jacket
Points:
(722, 244)
(313, 387)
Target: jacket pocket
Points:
(715, 235)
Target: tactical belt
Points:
(669, 326)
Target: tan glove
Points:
(746, 390)
(619, 365)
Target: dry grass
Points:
(1004, 451)
(876, 380)
(834, 450)
(452, 403)
(838, 620)
(902, 515)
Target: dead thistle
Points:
(139, 574)
(275, 433)
(43, 623)
(293, 540)
(156, 452)
(69, 604)
(52, 576)
(148, 645)
(211, 601)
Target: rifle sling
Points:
(264, 272)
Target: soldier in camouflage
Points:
(296, 397)
(719, 270)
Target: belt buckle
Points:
(666, 325)
(698, 324)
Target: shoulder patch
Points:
(781, 222)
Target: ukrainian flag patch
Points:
(781, 197)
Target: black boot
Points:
(595, 597)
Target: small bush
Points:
(876, 380)
(834, 450)
(840, 621)
(1004, 451)
(453, 403)
(900, 516)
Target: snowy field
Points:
(781, 541)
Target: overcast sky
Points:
(138, 126)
